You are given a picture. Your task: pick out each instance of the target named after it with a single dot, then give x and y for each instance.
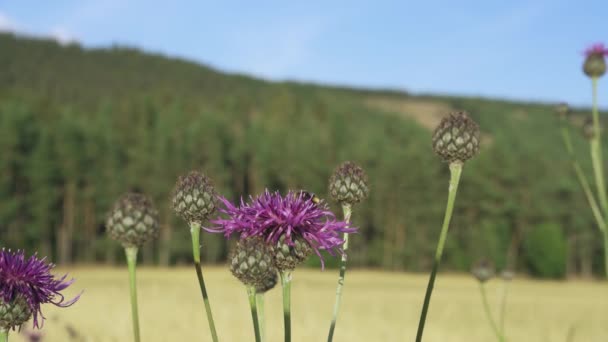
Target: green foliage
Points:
(80, 127)
(545, 250)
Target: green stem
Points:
(486, 307)
(195, 232)
(286, 284)
(595, 209)
(455, 171)
(254, 312)
(605, 232)
(596, 151)
(131, 253)
(503, 305)
(259, 298)
(347, 210)
(3, 335)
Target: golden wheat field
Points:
(377, 306)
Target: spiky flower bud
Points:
(15, 313)
(251, 262)
(194, 197)
(562, 110)
(595, 63)
(287, 257)
(268, 283)
(456, 139)
(133, 220)
(483, 271)
(348, 184)
(588, 129)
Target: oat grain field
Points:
(377, 306)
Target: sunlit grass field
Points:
(377, 306)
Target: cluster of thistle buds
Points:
(133, 221)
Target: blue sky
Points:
(529, 50)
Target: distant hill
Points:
(80, 126)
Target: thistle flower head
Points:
(483, 271)
(456, 139)
(26, 284)
(595, 63)
(194, 197)
(269, 282)
(277, 218)
(348, 184)
(133, 220)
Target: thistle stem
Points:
(486, 307)
(3, 335)
(254, 312)
(596, 151)
(347, 210)
(455, 171)
(131, 253)
(259, 298)
(597, 214)
(286, 284)
(605, 233)
(503, 305)
(195, 232)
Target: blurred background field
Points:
(377, 306)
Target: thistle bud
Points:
(348, 184)
(595, 63)
(286, 256)
(251, 262)
(483, 271)
(268, 283)
(194, 197)
(456, 139)
(562, 111)
(588, 129)
(133, 221)
(13, 314)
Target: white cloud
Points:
(62, 36)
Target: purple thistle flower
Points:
(272, 216)
(597, 49)
(31, 279)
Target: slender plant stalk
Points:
(286, 284)
(597, 214)
(3, 335)
(195, 232)
(131, 253)
(486, 306)
(254, 312)
(259, 298)
(347, 210)
(455, 171)
(596, 151)
(503, 305)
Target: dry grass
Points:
(377, 306)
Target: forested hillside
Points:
(79, 127)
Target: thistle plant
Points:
(594, 67)
(455, 140)
(133, 221)
(292, 227)
(26, 284)
(252, 263)
(194, 199)
(348, 185)
(483, 272)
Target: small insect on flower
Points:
(595, 63)
(26, 284)
(294, 225)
